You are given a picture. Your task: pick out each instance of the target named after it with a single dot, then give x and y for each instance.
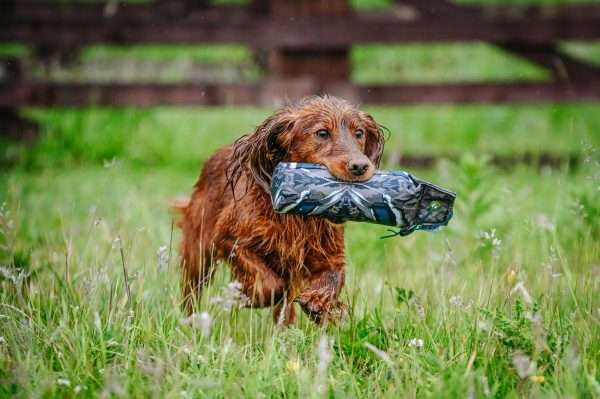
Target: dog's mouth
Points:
(351, 170)
(348, 177)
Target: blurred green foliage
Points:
(185, 137)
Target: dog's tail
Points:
(178, 206)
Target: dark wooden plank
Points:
(13, 126)
(324, 64)
(542, 160)
(11, 68)
(75, 25)
(49, 94)
(308, 32)
(27, 10)
(483, 93)
(562, 66)
(59, 12)
(40, 94)
(442, 8)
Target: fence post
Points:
(295, 72)
(12, 125)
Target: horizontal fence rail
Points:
(306, 47)
(237, 25)
(144, 95)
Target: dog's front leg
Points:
(259, 282)
(319, 296)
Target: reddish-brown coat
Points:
(278, 259)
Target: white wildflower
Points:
(63, 382)
(488, 239)
(109, 163)
(77, 389)
(416, 343)
(163, 257)
(459, 302)
(232, 297)
(496, 243)
(524, 365)
(14, 274)
(200, 321)
(520, 288)
(2, 340)
(455, 300)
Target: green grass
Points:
(97, 175)
(438, 63)
(67, 328)
(207, 54)
(81, 328)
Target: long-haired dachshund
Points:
(278, 259)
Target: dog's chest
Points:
(306, 242)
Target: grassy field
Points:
(502, 303)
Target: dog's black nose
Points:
(358, 168)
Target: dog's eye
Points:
(322, 133)
(359, 134)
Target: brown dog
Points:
(278, 259)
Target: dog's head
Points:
(323, 130)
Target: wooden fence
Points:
(304, 44)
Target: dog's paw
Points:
(322, 308)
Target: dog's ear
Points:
(259, 152)
(375, 139)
